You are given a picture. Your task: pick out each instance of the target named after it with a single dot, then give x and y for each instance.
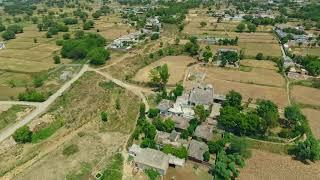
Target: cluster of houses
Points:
(153, 25)
(181, 112)
(297, 39)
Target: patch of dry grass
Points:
(313, 117)
(306, 95)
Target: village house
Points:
(298, 74)
(182, 108)
(196, 150)
(2, 45)
(181, 123)
(164, 106)
(153, 23)
(201, 95)
(146, 158)
(204, 131)
(172, 138)
(126, 41)
(66, 75)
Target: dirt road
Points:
(20, 103)
(41, 107)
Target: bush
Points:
(104, 116)
(153, 112)
(22, 135)
(206, 156)
(259, 56)
(152, 174)
(57, 59)
(7, 35)
(59, 42)
(71, 149)
(180, 152)
(66, 36)
(70, 21)
(98, 56)
(155, 36)
(15, 28)
(32, 95)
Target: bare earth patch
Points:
(177, 66)
(267, 166)
(255, 76)
(306, 95)
(188, 172)
(313, 117)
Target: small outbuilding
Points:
(196, 150)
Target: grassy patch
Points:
(272, 147)
(47, 131)
(114, 169)
(107, 85)
(70, 149)
(82, 174)
(10, 116)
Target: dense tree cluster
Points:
(86, 46)
(310, 63)
(163, 125)
(192, 47)
(228, 57)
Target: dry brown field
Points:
(259, 64)
(268, 49)
(188, 172)
(313, 117)
(267, 166)
(258, 76)
(177, 66)
(306, 95)
(315, 51)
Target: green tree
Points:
(201, 113)
(293, 114)
(206, 156)
(240, 27)
(7, 35)
(148, 143)
(259, 56)
(233, 99)
(98, 56)
(307, 150)
(252, 27)
(22, 135)
(57, 59)
(153, 112)
(203, 24)
(160, 76)
(268, 111)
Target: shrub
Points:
(57, 59)
(7, 35)
(153, 112)
(32, 95)
(66, 36)
(22, 135)
(104, 116)
(206, 156)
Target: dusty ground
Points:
(306, 95)
(313, 117)
(190, 171)
(83, 127)
(255, 76)
(177, 66)
(267, 166)
(259, 64)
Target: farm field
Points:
(259, 64)
(258, 76)
(266, 166)
(177, 66)
(315, 51)
(306, 95)
(313, 117)
(80, 126)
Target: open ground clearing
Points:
(190, 171)
(255, 76)
(266, 166)
(259, 64)
(177, 66)
(313, 117)
(11, 114)
(306, 95)
(81, 127)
